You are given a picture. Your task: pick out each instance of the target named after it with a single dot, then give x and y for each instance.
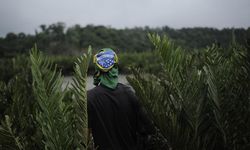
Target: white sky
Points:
(26, 15)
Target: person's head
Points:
(105, 59)
(106, 68)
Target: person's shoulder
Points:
(100, 89)
(129, 91)
(92, 92)
(127, 88)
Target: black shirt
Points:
(115, 118)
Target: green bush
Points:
(36, 113)
(148, 61)
(199, 101)
(64, 63)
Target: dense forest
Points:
(58, 39)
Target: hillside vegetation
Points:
(56, 39)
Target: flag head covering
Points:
(105, 59)
(106, 68)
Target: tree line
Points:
(56, 39)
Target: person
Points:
(115, 115)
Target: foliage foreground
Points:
(200, 100)
(40, 114)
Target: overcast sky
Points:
(26, 15)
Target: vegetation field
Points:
(197, 96)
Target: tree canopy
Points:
(57, 39)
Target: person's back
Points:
(115, 113)
(115, 116)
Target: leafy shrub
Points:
(199, 100)
(40, 115)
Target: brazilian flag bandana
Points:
(106, 68)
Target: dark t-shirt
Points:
(115, 118)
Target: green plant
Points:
(79, 90)
(64, 125)
(17, 102)
(40, 113)
(197, 98)
(8, 138)
(52, 114)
